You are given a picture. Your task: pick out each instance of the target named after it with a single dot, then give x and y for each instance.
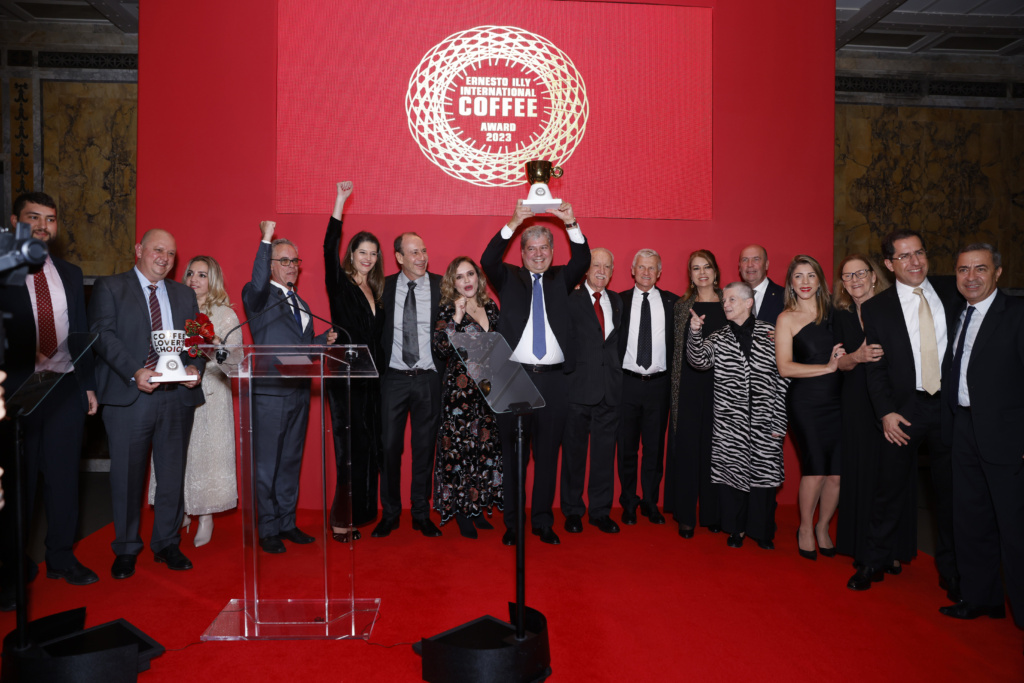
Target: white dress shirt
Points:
(523, 352)
(759, 295)
(980, 309)
(910, 303)
(302, 311)
(61, 360)
(659, 354)
(606, 306)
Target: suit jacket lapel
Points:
(896, 310)
(988, 326)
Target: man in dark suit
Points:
(595, 388)
(123, 311)
(43, 313)
(645, 351)
(278, 317)
(769, 298)
(983, 417)
(910, 320)
(410, 384)
(535, 322)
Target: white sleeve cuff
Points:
(576, 235)
(507, 232)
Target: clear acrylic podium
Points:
(308, 592)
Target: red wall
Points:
(207, 151)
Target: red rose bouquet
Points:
(199, 331)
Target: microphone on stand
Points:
(222, 353)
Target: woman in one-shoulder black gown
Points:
(806, 352)
(355, 283)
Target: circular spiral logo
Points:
(483, 102)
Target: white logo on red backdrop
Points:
(483, 102)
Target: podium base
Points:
(486, 650)
(295, 620)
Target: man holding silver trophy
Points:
(135, 314)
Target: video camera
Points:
(18, 251)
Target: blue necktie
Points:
(540, 346)
(958, 360)
(294, 301)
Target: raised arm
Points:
(257, 290)
(579, 250)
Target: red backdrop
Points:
(207, 140)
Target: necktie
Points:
(157, 323)
(410, 333)
(44, 314)
(599, 311)
(645, 342)
(929, 346)
(540, 344)
(293, 301)
(958, 359)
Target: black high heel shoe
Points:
(466, 527)
(480, 522)
(825, 552)
(806, 554)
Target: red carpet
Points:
(640, 605)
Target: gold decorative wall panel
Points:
(955, 175)
(89, 167)
(22, 157)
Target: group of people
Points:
(861, 381)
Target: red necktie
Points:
(44, 311)
(158, 324)
(599, 311)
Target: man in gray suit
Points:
(139, 414)
(278, 317)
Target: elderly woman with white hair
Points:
(749, 415)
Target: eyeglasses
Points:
(859, 274)
(920, 253)
(288, 261)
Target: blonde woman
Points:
(210, 484)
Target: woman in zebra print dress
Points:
(749, 416)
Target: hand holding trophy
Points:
(539, 172)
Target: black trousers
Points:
(543, 437)
(894, 473)
(643, 416)
(750, 513)
(417, 399)
(597, 424)
(53, 451)
(988, 521)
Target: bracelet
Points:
(574, 224)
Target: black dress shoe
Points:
(547, 535)
(766, 545)
(605, 524)
(686, 532)
(272, 545)
(174, 558)
(123, 567)
(629, 516)
(865, 576)
(76, 575)
(509, 538)
(965, 610)
(346, 536)
(384, 527)
(426, 527)
(574, 524)
(951, 584)
(296, 535)
(466, 527)
(651, 512)
(734, 541)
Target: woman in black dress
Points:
(355, 283)
(467, 477)
(688, 468)
(858, 279)
(806, 352)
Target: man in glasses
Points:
(278, 317)
(912, 322)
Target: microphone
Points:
(222, 354)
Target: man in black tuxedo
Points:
(410, 384)
(769, 298)
(138, 414)
(44, 312)
(983, 417)
(595, 389)
(910, 320)
(535, 322)
(278, 317)
(645, 351)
